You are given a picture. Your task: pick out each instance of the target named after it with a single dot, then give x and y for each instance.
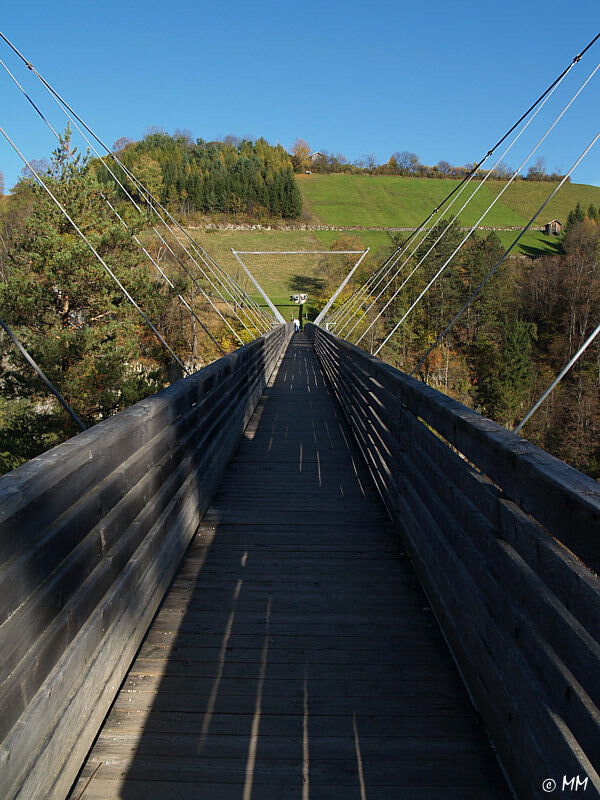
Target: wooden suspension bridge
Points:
(298, 574)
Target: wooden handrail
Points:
(505, 539)
(91, 534)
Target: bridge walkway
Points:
(295, 655)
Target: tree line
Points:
(407, 164)
(234, 176)
(509, 345)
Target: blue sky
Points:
(443, 80)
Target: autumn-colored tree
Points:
(300, 155)
(121, 144)
(149, 173)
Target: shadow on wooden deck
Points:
(295, 655)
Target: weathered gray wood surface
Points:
(90, 536)
(295, 655)
(483, 515)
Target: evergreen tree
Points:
(480, 255)
(505, 370)
(226, 176)
(70, 315)
(579, 213)
(574, 216)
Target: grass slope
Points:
(390, 201)
(381, 202)
(276, 273)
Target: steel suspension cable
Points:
(42, 375)
(439, 238)
(447, 262)
(200, 288)
(406, 261)
(266, 274)
(470, 198)
(67, 108)
(235, 288)
(114, 210)
(558, 378)
(397, 255)
(379, 275)
(252, 311)
(239, 292)
(169, 248)
(491, 272)
(340, 288)
(342, 315)
(152, 204)
(163, 274)
(167, 245)
(368, 281)
(354, 301)
(478, 165)
(94, 251)
(276, 314)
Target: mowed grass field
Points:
(391, 201)
(384, 202)
(277, 273)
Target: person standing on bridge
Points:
(296, 322)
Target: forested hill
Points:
(255, 180)
(232, 176)
(534, 314)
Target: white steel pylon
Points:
(331, 300)
(278, 316)
(276, 313)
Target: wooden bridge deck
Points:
(295, 655)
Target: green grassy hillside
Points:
(389, 201)
(371, 202)
(276, 273)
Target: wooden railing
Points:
(494, 527)
(90, 536)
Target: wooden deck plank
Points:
(473, 771)
(101, 789)
(385, 726)
(328, 747)
(295, 652)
